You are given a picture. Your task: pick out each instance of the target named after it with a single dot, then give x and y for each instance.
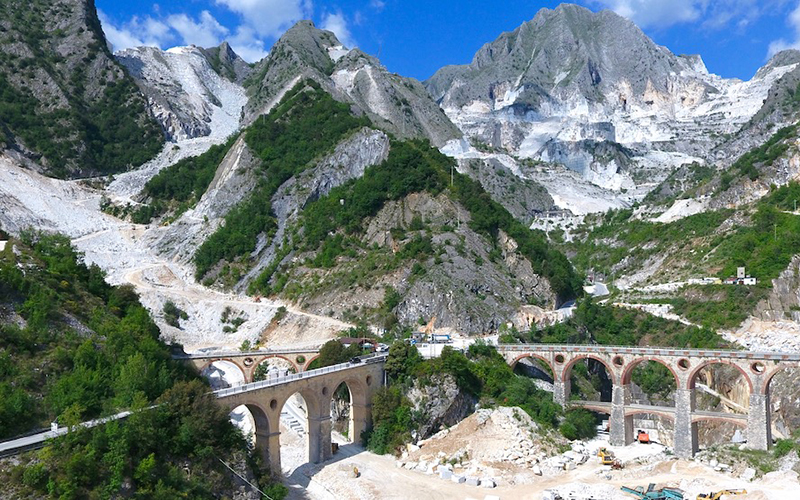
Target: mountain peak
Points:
(562, 51)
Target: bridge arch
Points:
(280, 356)
(534, 355)
(264, 431)
(567, 371)
(627, 372)
(307, 365)
(223, 373)
(696, 371)
(770, 376)
(257, 374)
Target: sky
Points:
(417, 37)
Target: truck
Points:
(643, 437)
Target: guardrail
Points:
(271, 382)
(654, 351)
(239, 354)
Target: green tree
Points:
(401, 362)
(578, 424)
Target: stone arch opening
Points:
(588, 378)
(273, 367)
(295, 427)
(780, 387)
(651, 381)
(659, 425)
(721, 387)
(222, 374)
(253, 422)
(534, 366)
(712, 431)
(342, 415)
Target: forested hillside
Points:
(763, 237)
(73, 348)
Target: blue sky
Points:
(416, 37)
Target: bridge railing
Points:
(650, 351)
(271, 382)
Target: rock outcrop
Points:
(783, 302)
(440, 403)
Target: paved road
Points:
(37, 440)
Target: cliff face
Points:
(783, 302)
(67, 104)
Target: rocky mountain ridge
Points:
(398, 104)
(591, 91)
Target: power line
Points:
(243, 479)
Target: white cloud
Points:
(137, 32)
(338, 24)
(712, 14)
(783, 44)
(377, 5)
(655, 13)
(206, 32)
(268, 18)
(248, 45)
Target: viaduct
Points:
(757, 370)
(265, 399)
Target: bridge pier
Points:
(561, 390)
(685, 430)
(359, 420)
(319, 438)
(759, 425)
(620, 426)
(268, 446)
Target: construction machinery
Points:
(607, 458)
(651, 493)
(643, 437)
(716, 495)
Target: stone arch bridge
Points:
(247, 362)
(266, 398)
(757, 370)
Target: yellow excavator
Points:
(719, 494)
